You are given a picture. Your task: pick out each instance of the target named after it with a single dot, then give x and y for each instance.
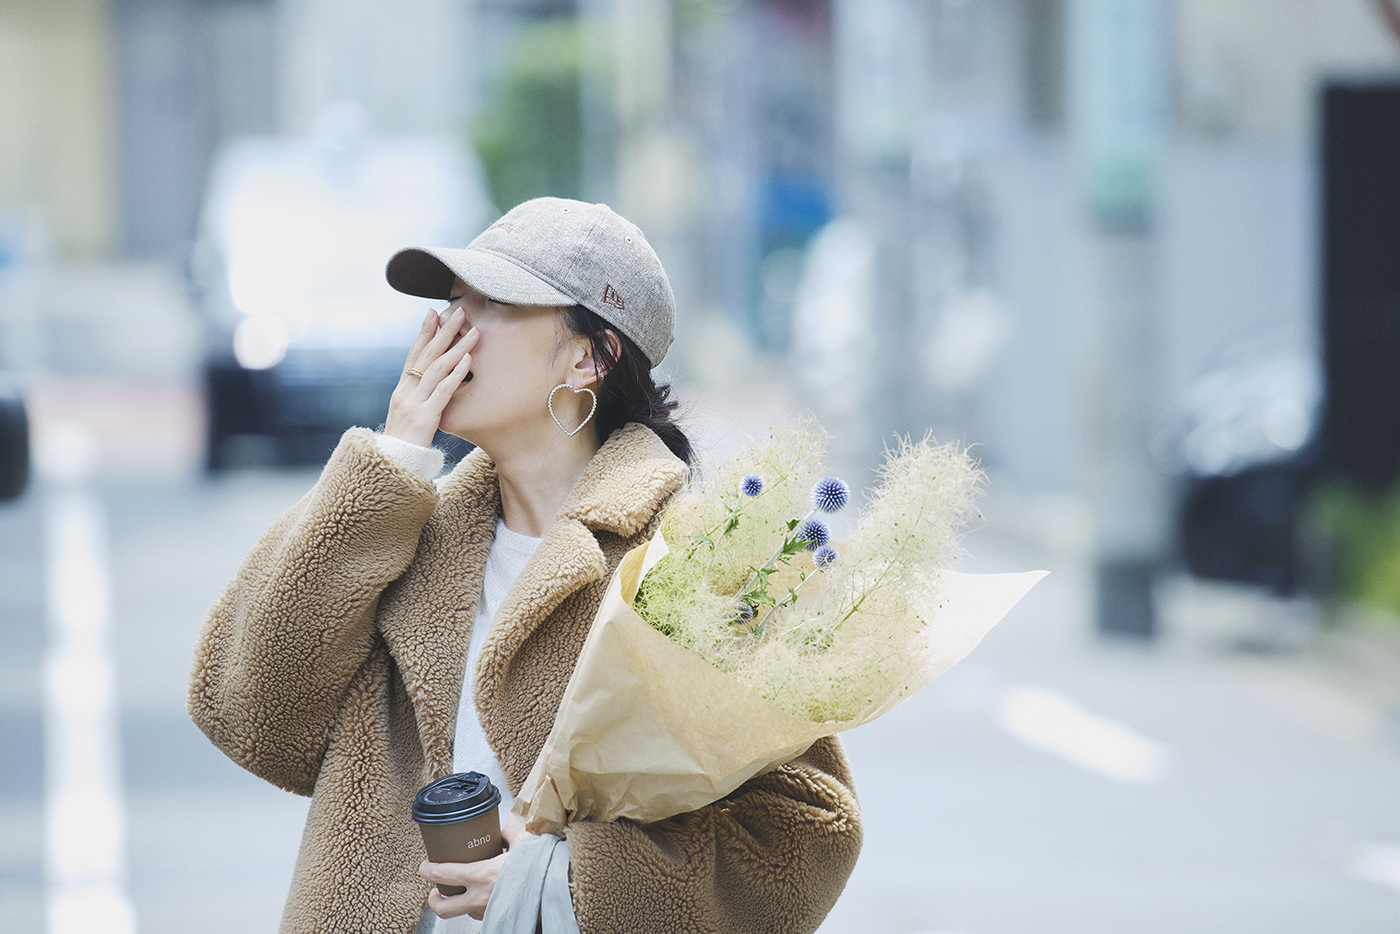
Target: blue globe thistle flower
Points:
(815, 533)
(825, 557)
(830, 494)
(743, 612)
(751, 485)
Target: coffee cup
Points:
(459, 818)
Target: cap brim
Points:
(429, 272)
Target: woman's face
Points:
(515, 363)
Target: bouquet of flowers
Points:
(742, 609)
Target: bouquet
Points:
(744, 610)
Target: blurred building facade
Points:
(58, 177)
(102, 96)
(1046, 225)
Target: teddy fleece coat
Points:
(332, 666)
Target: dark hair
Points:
(626, 393)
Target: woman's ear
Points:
(588, 369)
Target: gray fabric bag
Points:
(532, 891)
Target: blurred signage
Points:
(1118, 61)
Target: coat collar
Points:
(632, 476)
(622, 488)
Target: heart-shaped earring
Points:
(586, 418)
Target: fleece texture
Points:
(332, 666)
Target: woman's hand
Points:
(479, 878)
(418, 400)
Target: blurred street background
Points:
(1145, 254)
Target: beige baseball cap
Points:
(555, 251)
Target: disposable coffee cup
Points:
(460, 821)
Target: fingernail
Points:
(473, 332)
(432, 313)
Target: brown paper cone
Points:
(647, 729)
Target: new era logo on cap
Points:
(610, 297)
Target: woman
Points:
(388, 630)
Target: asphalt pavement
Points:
(1052, 783)
(1056, 783)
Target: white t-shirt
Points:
(510, 552)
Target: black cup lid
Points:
(457, 797)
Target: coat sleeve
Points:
(772, 857)
(282, 642)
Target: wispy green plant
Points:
(529, 135)
(1364, 528)
(819, 628)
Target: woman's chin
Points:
(457, 428)
(456, 431)
(455, 420)
(458, 421)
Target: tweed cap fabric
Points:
(555, 251)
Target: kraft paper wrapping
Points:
(647, 729)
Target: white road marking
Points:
(1049, 721)
(84, 809)
(1378, 863)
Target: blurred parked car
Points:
(14, 442)
(305, 338)
(1246, 450)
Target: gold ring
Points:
(418, 373)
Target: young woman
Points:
(389, 629)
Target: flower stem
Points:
(787, 600)
(787, 543)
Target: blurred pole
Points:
(876, 79)
(1117, 101)
(649, 162)
(653, 159)
(598, 118)
(164, 136)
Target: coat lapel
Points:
(426, 616)
(630, 478)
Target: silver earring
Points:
(586, 418)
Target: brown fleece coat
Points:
(332, 666)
